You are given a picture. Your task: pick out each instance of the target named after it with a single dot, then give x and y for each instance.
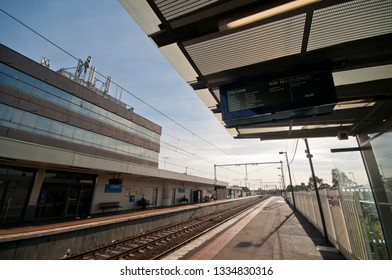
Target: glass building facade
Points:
(53, 116)
(29, 122)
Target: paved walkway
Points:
(272, 231)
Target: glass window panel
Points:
(68, 132)
(105, 142)
(361, 216)
(129, 148)
(63, 102)
(78, 135)
(382, 148)
(104, 114)
(135, 150)
(97, 141)
(55, 91)
(88, 137)
(5, 113)
(112, 144)
(12, 72)
(382, 178)
(42, 85)
(84, 111)
(29, 120)
(43, 125)
(15, 187)
(64, 95)
(74, 107)
(56, 130)
(75, 100)
(17, 116)
(38, 93)
(27, 79)
(24, 87)
(86, 105)
(7, 80)
(52, 98)
(123, 147)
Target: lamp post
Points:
(281, 169)
(291, 183)
(310, 156)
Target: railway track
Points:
(158, 243)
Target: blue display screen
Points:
(258, 97)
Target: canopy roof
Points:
(350, 39)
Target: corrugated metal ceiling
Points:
(350, 21)
(175, 8)
(250, 46)
(346, 36)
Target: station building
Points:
(66, 148)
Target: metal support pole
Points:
(309, 156)
(291, 183)
(283, 181)
(246, 175)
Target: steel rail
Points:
(158, 242)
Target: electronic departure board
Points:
(250, 99)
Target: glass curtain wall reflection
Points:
(356, 196)
(377, 152)
(35, 87)
(29, 122)
(382, 149)
(65, 194)
(15, 187)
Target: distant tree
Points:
(323, 186)
(311, 185)
(340, 179)
(303, 187)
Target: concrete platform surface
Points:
(271, 231)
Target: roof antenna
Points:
(45, 62)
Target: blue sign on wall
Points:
(109, 188)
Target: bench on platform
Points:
(182, 199)
(108, 205)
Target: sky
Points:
(192, 140)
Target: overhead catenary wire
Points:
(171, 119)
(295, 151)
(37, 33)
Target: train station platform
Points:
(58, 239)
(34, 229)
(271, 231)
